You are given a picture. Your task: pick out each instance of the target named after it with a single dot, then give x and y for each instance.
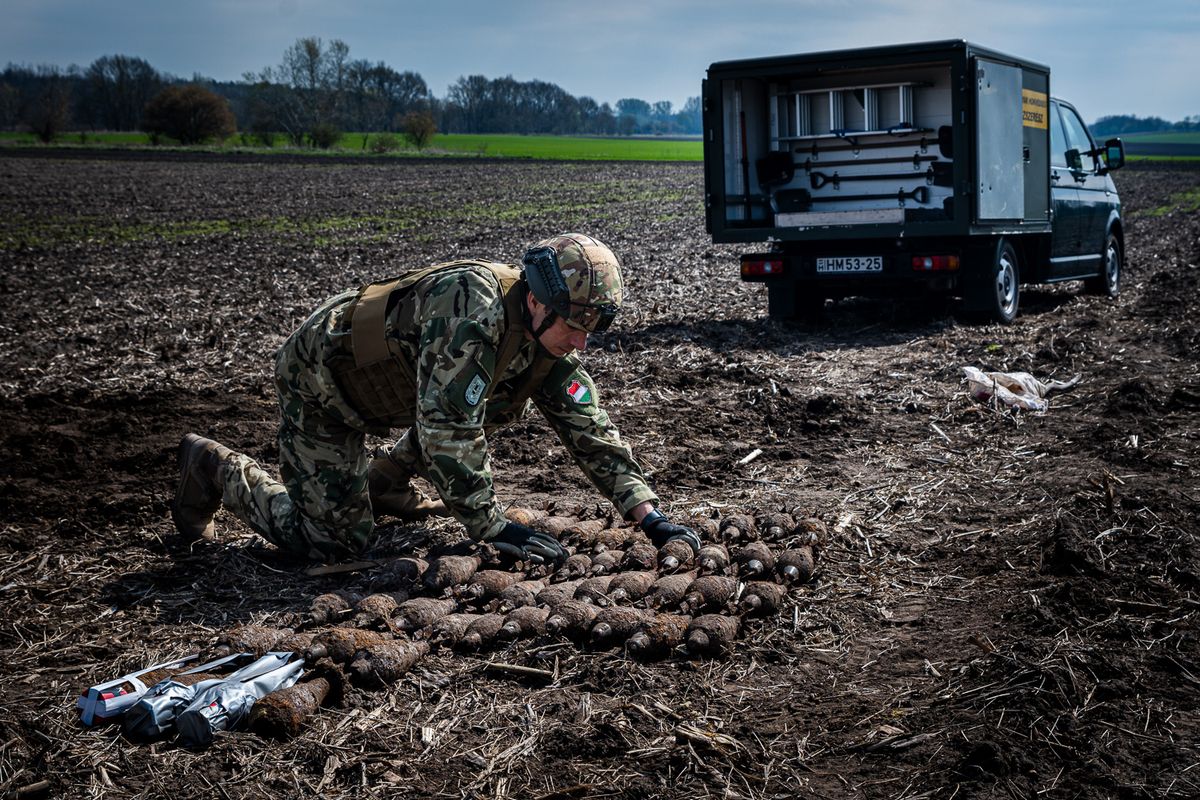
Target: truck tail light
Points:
(759, 267)
(934, 263)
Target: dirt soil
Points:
(1006, 607)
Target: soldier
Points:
(451, 353)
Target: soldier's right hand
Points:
(525, 544)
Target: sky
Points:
(1106, 57)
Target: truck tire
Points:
(795, 302)
(996, 296)
(1108, 282)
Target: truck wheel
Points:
(997, 297)
(795, 302)
(1108, 282)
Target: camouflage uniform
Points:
(448, 326)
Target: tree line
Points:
(1119, 124)
(311, 97)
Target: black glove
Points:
(526, 544)
(661, 531)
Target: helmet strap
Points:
(551, 315)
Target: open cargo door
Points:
(1000, 187)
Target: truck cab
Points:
(933, 167)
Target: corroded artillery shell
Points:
(523, 623)
(669, 590)
(521, 593)
(796, 565)
(421, 612)
(401, 573)
(594, 590)
(712, 634)
(332, 607)
(524, 516)
(447, 571)
(555, 526)
(709, 592)
(577, 566)
(481, 633)
(640, 556)
(615, 624)
(606, 562)
(385, 663)
(776, 527)
(675, 555)
(283, 713)
(375, 610)
(739, 528)
(627, 587)
(257, 639)
(811, 531)
(572, 618)
(340, 644)
(754, 559)
(713, 559)
(489, 583)
(762, 598)
(658, 636)
(446, 632)
(555, 593)
(296, 643)
(583, 533)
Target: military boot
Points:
(390, 488)
(198, 495)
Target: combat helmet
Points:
(578, 278)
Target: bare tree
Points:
(50, 112)
(118, 88)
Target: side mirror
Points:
(1074, 159)
(1114, 154)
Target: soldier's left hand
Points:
(525, 544)
(661, 530)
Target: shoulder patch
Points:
(580, 392)
(474, 391)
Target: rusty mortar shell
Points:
(400, 573)
(332, 607)
(615, 624)
(640, 556)
(555, 593)
(675, 555)
(738, 527)
(375, 610)
(571, 618)
(713, 559)
(762, 598)
(447, 571)
(583, 533)
(706, 528)
(555, 526)
(489, 583)
(594, 590)
(709, 592)
(446, 632)
(796, 565)
(776, 527)
(524, 516)
(297, 643)
(658, 636)
(283, 713)
(481, 633)
(812, 532)
(669, 590)
(521, 593)
(628, 587)
(576, 566)
(754, 559)
(340, 644)
(385, 663)
(523, 623)
(421, 612)
(712, 634)
(605, 562)
(257, 639)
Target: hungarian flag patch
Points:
(579, 392)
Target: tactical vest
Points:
(377, 379)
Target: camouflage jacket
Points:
(449, 327)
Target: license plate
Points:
(850, 264)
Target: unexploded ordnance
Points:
(811, 531)
(713, 559)
(754, 559)
(421, 612)
(332, 607)
(796, 565)
(283, 712)
(447, 571)
(606, 562)
(571, 618)
(583, 533)
(711, 634)
(640, 556)
(658, 636)
(523, 622)
(577, 566)
(615, 624)
(481, 633)
(674, 555)
(524, 516)
(340, 644)
(521, 593)
(489, 583)
(762, 598)
(626, 587)
(375, 610)
(554, 525)
(739, 527)
(555, 593)
(385, 663)
(776, 527)
(402, 573)
(257, 639)
(669, 590)
(709, 592)
(295, 643)
(594, 590)
(445, 632)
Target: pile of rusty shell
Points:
(297, 643)
(621, 538)
(375, 610)
(658, 636)
(776, 527)
(523, 623)
(811, 531)
(421, 612)
(572, 619)
(762, 598)
(606, 562)
(615, 624)
(675, 555)
(669, 590)
(709, 592)
(283, 713)
(555, 526)
(487, 584)
(402, 573)
(332, 607)
(256, 639)
(481, 632)
(583, 533)
(738, 528)
(577, 566)
(521, 593)
(446, 632)
(556, 593)
(524, 516)
(754, 559)
(713, 559)
(707, 529)
(594, 590)
(340, 644)
(796, 565)
(447, 571)
(640, 556)
(627, 587)
(712, 634)
(383, 664)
